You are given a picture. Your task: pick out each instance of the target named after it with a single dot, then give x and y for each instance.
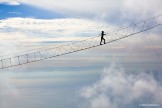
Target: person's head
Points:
(102, 31)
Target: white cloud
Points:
(45, 30)
(29, 33)
(7, 89)
(118, 89)
(144, 7)
(115, 11)
(9, 2)
(118, 10)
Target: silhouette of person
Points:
(102, 37)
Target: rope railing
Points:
(81, 45)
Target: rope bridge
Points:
(81, 45)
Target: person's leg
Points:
(101, 41)
(104, 41)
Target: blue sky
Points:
(26, 11)
(116, 75)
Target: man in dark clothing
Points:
(102, 37)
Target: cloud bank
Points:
(30, 33)
(54, 28)
(7, 90)
(119, 89)
(116, 11)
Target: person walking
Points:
(102, 38)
